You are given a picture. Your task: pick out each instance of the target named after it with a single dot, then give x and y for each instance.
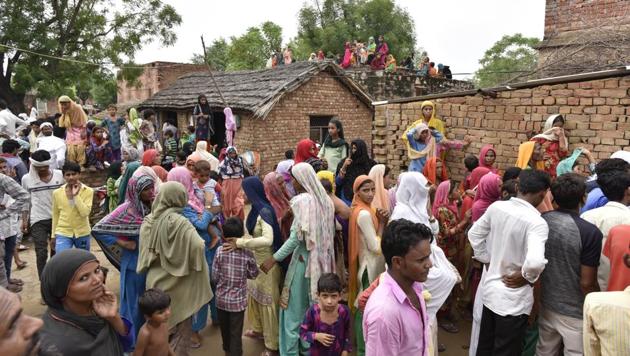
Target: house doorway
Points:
(218, 138)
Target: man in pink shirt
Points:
(395, 319)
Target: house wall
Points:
(597, 114)
(289, 120)
(563, 15)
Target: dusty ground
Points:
(212, 336)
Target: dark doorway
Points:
(218, 118)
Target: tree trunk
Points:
(14, 100)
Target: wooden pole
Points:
(205, 59)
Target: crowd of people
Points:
(333, 256)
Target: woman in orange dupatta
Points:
(365, 259)
(431, 168)
(531, 156)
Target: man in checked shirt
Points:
(230, 272)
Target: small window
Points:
(319, 128)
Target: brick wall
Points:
(289, 120)
(571, 15)
(597, 114)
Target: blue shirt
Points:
(114, 130)
(417, 165)
(595, 199)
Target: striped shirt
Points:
(607, 323)
(230, 272)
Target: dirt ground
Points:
(211, 335)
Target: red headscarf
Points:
(430, 170)
(482, 157)
(149, 156)
(303, 151)
(276, 194)
(476, 175)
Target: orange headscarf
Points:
(430, 170)
(353, 240)
(525, 152)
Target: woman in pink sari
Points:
(487, 157)
(383, 49)
(347, 58)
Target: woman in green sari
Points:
(311, 245)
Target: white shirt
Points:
(33, 115)
(55, 146)
(511, 237)
(8, 122)
(41, 194)
(605, 218)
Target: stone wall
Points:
(597, 114)
(403, 83)
(571, 15)
(288, 122)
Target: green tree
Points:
(330, 25)
(510, 57)
(83, 31)
(217, 55)
(106, 92)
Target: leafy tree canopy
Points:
(85, 31)
(329, 24)
(510, 57)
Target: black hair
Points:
(40, 155)
(168, 133)
(214, 175)
(335, 121)
(511, 173)
(148, 113)
(153, 300)
(3, 160)
(611, 164)
(233, 227)
(614, 184)
(400, 236)
(191, 128)
(533, 181)
(37, 122)
(568, 190)
(3, 104)
(187, 147)
(329, 283)
(471, 162)
(10, 146)
(327, 185)
(289, 154)
(558, 118)
(70, 166)
(181, 156)
(454, 185)
(510, 187)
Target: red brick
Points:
(586, 93)
(614, 93)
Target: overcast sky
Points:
(454, 32)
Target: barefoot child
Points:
(326, 325)
(153, 336)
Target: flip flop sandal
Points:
(195, 345)
(253, 335)
(22, 248)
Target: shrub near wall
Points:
(597, 114)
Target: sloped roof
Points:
(255, 91)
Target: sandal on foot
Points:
(22, 247)
(254, 335)
(449, 327)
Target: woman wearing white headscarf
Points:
(201, 153)
(311, 245)
(412, 203)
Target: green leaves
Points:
(510, 57)
(329, 27)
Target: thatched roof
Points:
(255, 91)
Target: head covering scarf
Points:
(201, 153)
(525, 151)
(412, 198)
(261, 206)
(548, 133)
(74, 117)
(329, 176)
(381, 198)
(56, 278)
(183, 176)
(231, 167)
(566, 165)
(328, 142)
(353, 237)
(430, 170)
(361, 165)
(149, 156)
(128, 217)
(133, 154)
(434, 122)
(122, 187)
(488, 191)
(624, 155)
(33, 172)
(314, 222)
(429, 149)
(482, 157)
(160, 172)
(476, 175)
(442, 200)
(303, 150)
(230, 126)
(276, 194)
(175, 253)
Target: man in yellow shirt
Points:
(71, 207)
